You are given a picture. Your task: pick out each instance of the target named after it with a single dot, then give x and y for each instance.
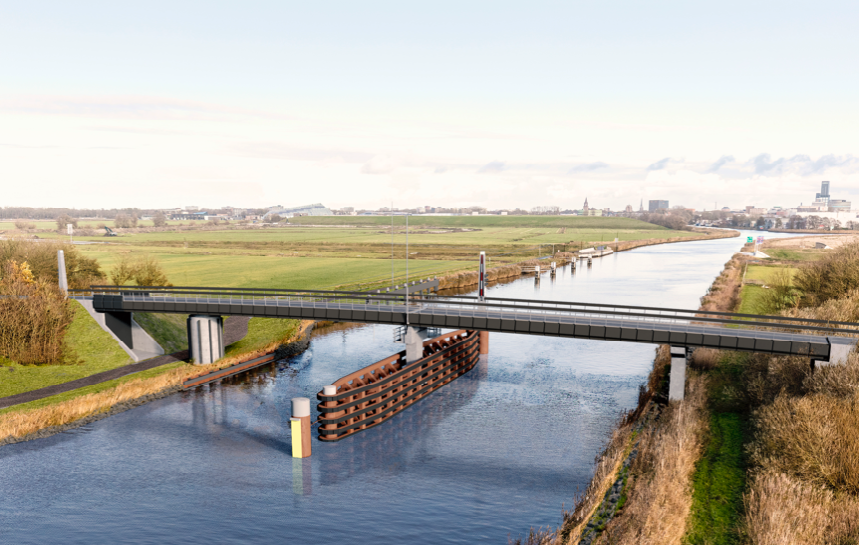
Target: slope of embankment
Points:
(762, 450)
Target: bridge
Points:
(377, 392)
(817, 339)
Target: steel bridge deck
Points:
(536, 320)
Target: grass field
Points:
(95, 349)
(297, 257)
(571, 222)
(765, 273)
(795, 254)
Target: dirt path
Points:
(235, 329)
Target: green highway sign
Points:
(749, 239)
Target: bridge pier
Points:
(677, 379)
(205, 338)
(484, 343)
(414, 339)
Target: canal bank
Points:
(71, 405)
(684, 476)
(493, 453)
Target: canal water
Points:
(495, 452)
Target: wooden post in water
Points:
(483, 341)
(300, 426)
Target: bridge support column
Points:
(484, 343)
(415, 337)
(205, 338)
(300, 427)
(677, 380)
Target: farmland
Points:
(358, 256)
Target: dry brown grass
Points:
(20, 423)
(660, 495)
(724, 294)
(705, 359)
(814, 438)
(781, 509)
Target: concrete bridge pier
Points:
(205, 338)
(414, 339)
(677, 379)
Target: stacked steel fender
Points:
(377, 392)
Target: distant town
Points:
(823, 212)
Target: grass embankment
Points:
(94, 350)
(66, 408)
(168, 330)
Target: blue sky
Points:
(435, 103)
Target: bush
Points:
(125, 221)
(82, 271)
(144, 271)
(23, 225)
(159, 220)
(34, 317)
(64, 220)
(834, 276)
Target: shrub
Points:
(24, 225)
(81, 271)
(64, 220)
(34, 317)
(832, 277)
(144, 271)
(125, 221)
(159, 220)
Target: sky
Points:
(494, 104)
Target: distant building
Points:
(308, 210)
(839, 205)
(653, 206)
(585, 209)
(753, 211)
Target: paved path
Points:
(235, 329)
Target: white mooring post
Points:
(300, 427)
(677, 379)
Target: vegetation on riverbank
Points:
(763, 449)
(94, 349)
(63, 409)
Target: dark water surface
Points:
(495, 452)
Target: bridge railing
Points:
(471, 307)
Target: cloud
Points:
(659, 165)
(587, 167)
(800, 164)
(491, 168)
(722, 161)
(380, 164)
